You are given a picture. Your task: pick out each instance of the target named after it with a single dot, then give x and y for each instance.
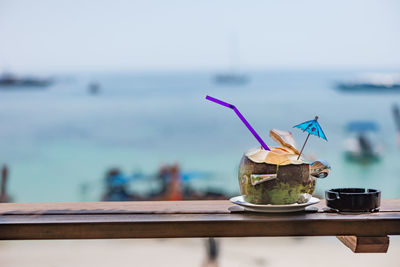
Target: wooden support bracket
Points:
(365, 244)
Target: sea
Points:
(59, 142)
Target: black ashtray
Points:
(353, 199)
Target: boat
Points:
(363, 146)
(94, 88)
(371, 83)
(171, 184)
(8, 81)
(396, 116)
(232, 77)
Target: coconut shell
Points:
(293, 182)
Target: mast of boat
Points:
(234, 55)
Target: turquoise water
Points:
(54, 140)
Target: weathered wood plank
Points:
(179, 219)
(126, 207)
(202, 228)
(142, 207)
(193, 225)
(387, 205)
(366, 244)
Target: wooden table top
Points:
(165, 219)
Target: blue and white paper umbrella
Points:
(312, 127)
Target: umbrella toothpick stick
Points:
(305, 142)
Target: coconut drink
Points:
(279, 175)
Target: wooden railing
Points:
(362, 232)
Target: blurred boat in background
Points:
(371, 82)
(94, 88)
(171, 184)
(396, 117)
(4, 196)
(363, 145)
(231, 79)
(8, 81)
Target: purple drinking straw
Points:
(240, 117)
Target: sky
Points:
(95, 35)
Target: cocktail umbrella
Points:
(312, 127)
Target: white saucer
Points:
(239, 200)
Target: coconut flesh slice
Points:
(257, 155)
(286, 154)
(277, 156)
(285, 139)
